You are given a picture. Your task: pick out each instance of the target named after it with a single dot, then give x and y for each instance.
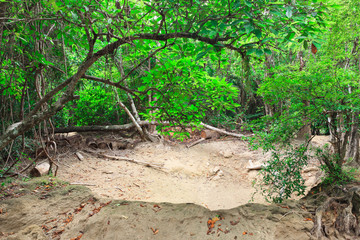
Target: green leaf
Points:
(250, 51)
(290, 36)
(305, 44)
(267, 39)
(259, 52)
(248, 3)
(257, 33)
(267, 51)
(249, 27)
(201, 55)
(317, 45)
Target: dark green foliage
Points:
(281, 177)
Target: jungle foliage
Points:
(281, 69)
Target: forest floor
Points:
(200, 192)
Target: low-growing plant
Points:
(281, 177)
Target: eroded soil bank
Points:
(50, 210)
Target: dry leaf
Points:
(78, 237)
(234, 222)
(313, 49)
(155, 231)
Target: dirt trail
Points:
(212, 174)
(189, 174)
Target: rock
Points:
(226, 154)
(215, 170)
(255, 166)
(217, 177)
(311, 169)
(216, 173)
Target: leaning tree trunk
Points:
(134, 117)
(36, 116)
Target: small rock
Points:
(215, 170)
(311, 169)
(217, 177)
(226, 154)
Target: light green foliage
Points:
(184, 92)
(322, 84)
(302, 98)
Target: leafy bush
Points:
(334, 173)
(282, 175)
(97, 106)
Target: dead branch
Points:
(222, 131)
(83, 184)
(196, 142)
(79, 156)
(157, 166)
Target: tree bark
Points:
(352, 151)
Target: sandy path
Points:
(188, 178)
(188, 175)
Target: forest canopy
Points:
(280, 69)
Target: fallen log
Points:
(253, 166)
(207, 134)
(40, 169)
(195, 143)
(146, 164)
(69, 138)
(100, 128)
(90, 142)
(131, 125)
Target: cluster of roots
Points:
(338, 212)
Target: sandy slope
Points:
(188, 176)
(58, 216)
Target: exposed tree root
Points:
(155, 166)
(338, 215)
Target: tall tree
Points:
(98, 28)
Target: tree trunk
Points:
(352, 150)
(305, 131)
(35, 117)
